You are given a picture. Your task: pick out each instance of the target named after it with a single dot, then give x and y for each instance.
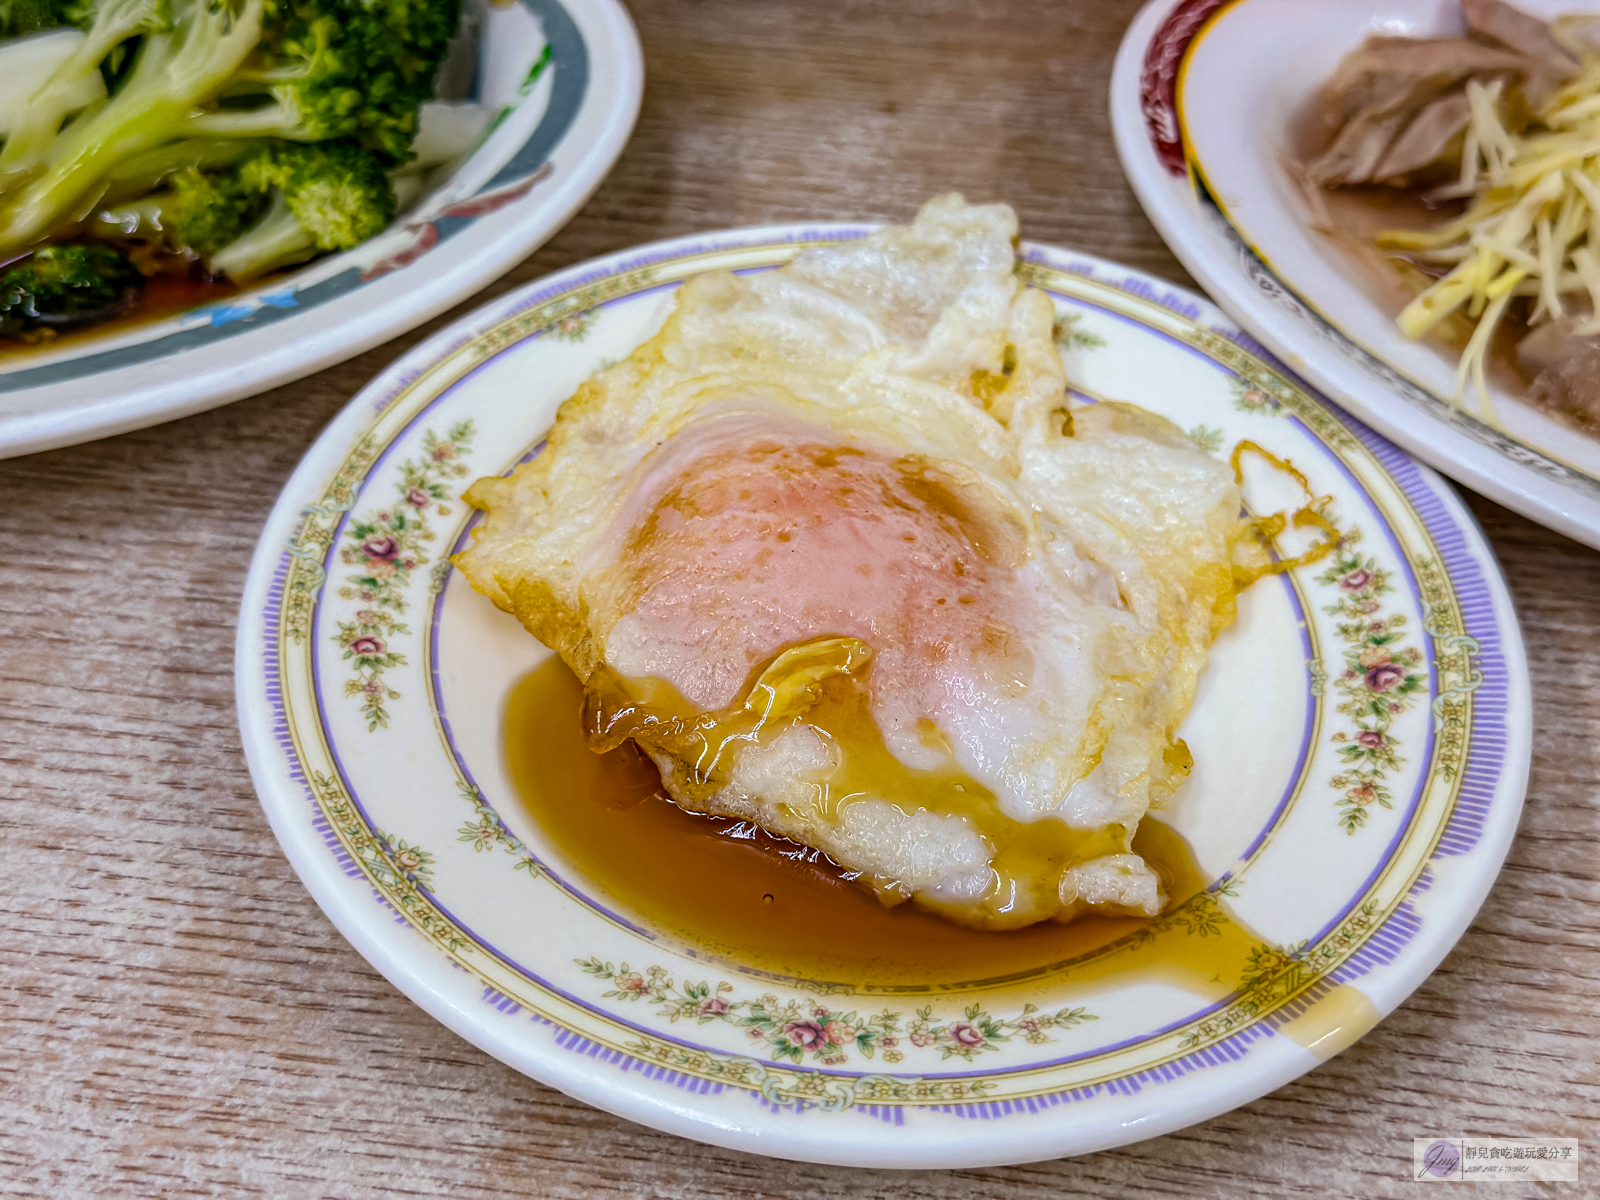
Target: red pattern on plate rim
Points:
(425, 235)
(1158, 82)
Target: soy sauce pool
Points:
(728, 889)
(162, 296)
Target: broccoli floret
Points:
(328, 196)
(209, 210)
(18, 18)
(283, 203)
(341, 70)
(61, 286)
(174, 70)
(143, 173)
(305, 70)
(199, 210)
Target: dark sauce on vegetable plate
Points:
(162, 296)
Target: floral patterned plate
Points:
(566, 80)
(1361, 743)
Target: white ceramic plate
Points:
(1361, 740)
(554, 141)
(1202, 100)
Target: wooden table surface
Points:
(178, 1018)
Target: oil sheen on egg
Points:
(837, 552)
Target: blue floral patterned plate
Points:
(1361, 743)
(566, 80)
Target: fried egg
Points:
(836, 550)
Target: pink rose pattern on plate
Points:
(385, 547)
(573, 327)
(1382, 678)
(1255, 396)
(796, 1029)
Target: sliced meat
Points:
(1359, 148)
(1390, 72)
(1432, 140)
(1391, 87)
(1566, 371)
(1497, 21)
(1552, 343)
(1571, 389)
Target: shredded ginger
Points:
(1533, 227)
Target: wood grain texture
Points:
(178, 1018)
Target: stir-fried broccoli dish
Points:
(223, 138)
